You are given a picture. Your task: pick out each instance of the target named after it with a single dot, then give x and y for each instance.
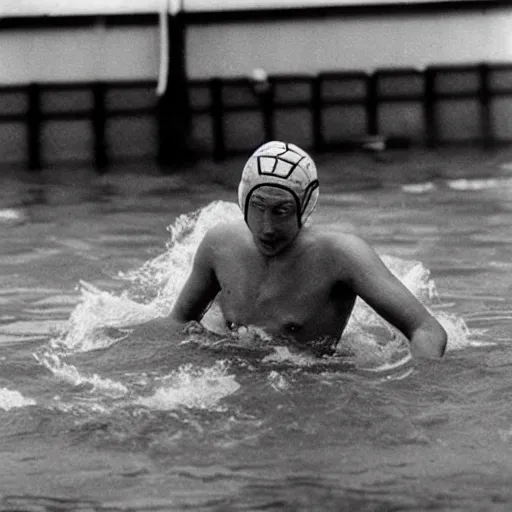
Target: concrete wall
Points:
(234, 48)
(368, 42)
(78, 54)
(97, 51)
(81, 7)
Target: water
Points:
(93, 418)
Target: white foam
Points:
(13, 400)
(375, 343)
(12, 215)
(80, 408)
(192, 388)
(277, 381)
(154, 287)
(414, 275)
(456, 329)
(475, 184)
(282, 354)
(419, 188)
(97, 311)
(70, 374)
(171, 268)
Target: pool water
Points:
(95, 418)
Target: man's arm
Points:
(379, 288)
(197, 293)
(201, 286)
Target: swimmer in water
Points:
(273, 271)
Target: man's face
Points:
(272, 219)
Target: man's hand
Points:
(429, 340)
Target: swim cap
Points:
(285, 166)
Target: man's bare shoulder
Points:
(227, 234)
(337, 243)
(221, 239)
(232, 228)
(345, 253)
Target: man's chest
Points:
(291, 292)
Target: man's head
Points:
(282, 166)
(277, 193)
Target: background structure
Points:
(78, 83)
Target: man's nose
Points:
(268, 223)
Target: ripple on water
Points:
(12, 399)
(34, 328)
(478, 184)
(23, 258)
(13, 216)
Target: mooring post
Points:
(34, 118)
(429, 107)
(219, 142)
(99, 127)
(173, 105)
(316, 113)
(485, 107)
(372, 103)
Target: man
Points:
(292, 280)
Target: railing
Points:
(328, 111)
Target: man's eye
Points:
(259, 206)
(285, 210)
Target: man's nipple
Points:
(292, 327)
(232, 326)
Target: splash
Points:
(97, 314)
(71, 375)
(153, 288)
(13, 400)
(163, 277)
(282, 354)
(277, 381)
(457, 330)
(190, 387)
(373, 343)
(414, 275)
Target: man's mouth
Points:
(269, 244)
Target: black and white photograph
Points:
(255, 255)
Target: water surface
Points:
(95, 419)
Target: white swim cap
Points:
(285, 166)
